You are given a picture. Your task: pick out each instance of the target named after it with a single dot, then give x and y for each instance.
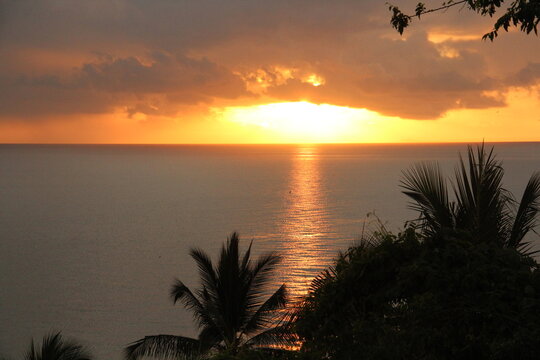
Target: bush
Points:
(400, 297)
(257, 354)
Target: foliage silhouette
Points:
(524, 14)
(407, 297)
(54, 347)
(258, 354)
(228, 307)
(458, 284)
(483, 209)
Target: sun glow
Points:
(301, 121)
(314, 80)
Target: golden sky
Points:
(257, 71)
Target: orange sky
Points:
(259, 72)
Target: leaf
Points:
(527, 213)
(164, 346)
(53, 347)
(420, 9)
(425, 185)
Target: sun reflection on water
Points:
(306, 222)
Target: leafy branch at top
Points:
(523, 14)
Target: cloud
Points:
(159, 57)
(528, 76)
(400, 78)
(158, 87)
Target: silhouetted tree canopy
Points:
(483, 210)
(523, 14)
(405, 297)
(229, 307)
(459, 283)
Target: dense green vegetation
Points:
(228, 308)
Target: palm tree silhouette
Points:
(228, 307)
(483, 210)
(54, 347)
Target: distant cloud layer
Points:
(158, 57)
(120, 82)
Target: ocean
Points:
(92, 236)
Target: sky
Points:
(259, 71)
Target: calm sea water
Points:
(91, 237)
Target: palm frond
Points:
(246, 259)
(206, 270)
(228, 265)
(54, 347)
(482, 202)
(209, 338)
(527, 213)
(426, 186)
(229, 258)
(31, 354)
(261, 270)
(255, 277)
(180, 292)
(277, 336)
(322, 279)
(230, 303)
(209, 293)
(266, 313)
(255, 283)
(484, 211)
(163, 346)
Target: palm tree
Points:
(483, 210)
(228, 307)
(54, 347)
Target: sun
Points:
(300, 121)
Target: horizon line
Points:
(275, 144)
